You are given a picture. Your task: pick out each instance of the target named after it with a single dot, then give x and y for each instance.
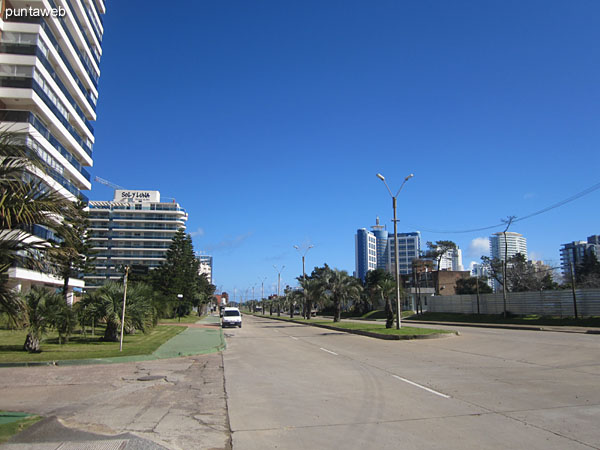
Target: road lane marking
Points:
(422, 387)
(328, 351)
(294, 338)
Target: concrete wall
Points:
(554, 303)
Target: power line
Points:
(536, 213)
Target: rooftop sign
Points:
(122, 195)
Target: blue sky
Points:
(268, 120)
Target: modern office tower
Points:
(573, 253)
(365, 252)
(409, 248)
(134, 228)
(452, 260)
(515, 243)
(49, 70)
(206, 266)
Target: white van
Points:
(232, 317)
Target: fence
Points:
(546, 303)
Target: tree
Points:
(588, 272)
(178, 275)
(314, 290)
(25, 202)
(74, 253)
(138, 312)
(521, 275)
(341, 288)
(437, 251)
(38, 308)
(468, 286)
(386, 289)
(372, 280)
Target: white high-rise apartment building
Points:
(515, 242)
(452, 260)
(134, 228)
(206, 266)
(49, 68)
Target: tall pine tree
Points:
(177, 278)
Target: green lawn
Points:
(192, 318)
(499, 319)
(13, 423)
(80, 347)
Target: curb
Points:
(386, 337)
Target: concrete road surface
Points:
(296, 387)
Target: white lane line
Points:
(295, 338)
(422, 387)
(328, 351)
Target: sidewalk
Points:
(200, 338)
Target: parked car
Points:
(232, 317)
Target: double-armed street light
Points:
(397, 269)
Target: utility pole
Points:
(573, 289)
(477, 284)
(508, 221)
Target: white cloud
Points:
(198, 232)
(479, 246)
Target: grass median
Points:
(365, 327)
(12, 423)
(83, 347)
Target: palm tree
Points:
(25, 201)
(138, 312)
(341, 287)
(386, 289)
(39, 303)
(315, 291)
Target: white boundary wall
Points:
(547, 303)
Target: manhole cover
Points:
(152, 378)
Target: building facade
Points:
(573, 253)
(206, 266)
(49, 70)
(515, 243)
(452, 260)
(134, 228)
(365, 244)
(409, 249)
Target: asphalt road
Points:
(293, 387)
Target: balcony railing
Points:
(31, 118)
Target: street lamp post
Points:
(262, 293)
(397, 269)
(303, 272)
(278, 287)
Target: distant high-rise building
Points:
(49, 68)
(452, 260)
(134, 228)
(381, 236)
(206, 266)
(573, 253)
(515, 243)
(365, 252)
(409, 248)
